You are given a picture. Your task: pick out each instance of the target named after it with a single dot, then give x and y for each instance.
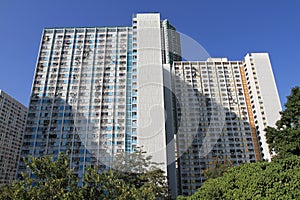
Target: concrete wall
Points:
(265, 99)
(150, 107)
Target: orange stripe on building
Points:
(250, 115)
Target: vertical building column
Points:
(250, 115)
(170, 130)
(262, 90)
(150, 97)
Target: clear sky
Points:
(229, 28)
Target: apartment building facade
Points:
(12, 125)
(89, 96)
(223, 109)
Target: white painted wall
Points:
(268, 92)
(150, 107)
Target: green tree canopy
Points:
(217, 168)
(284, 139)
(263, 180)
(46, 178)
(132, 176)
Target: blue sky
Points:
(229, 28)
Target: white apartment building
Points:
(222, 109)
(93, 88)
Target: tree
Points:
(284, 140)
(45, 178)
(132, 176)
(263, 180)
(217, 169)
(104, 185)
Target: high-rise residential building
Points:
(223, 109)
(12, 124)
(101, 91)
(93, 89)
